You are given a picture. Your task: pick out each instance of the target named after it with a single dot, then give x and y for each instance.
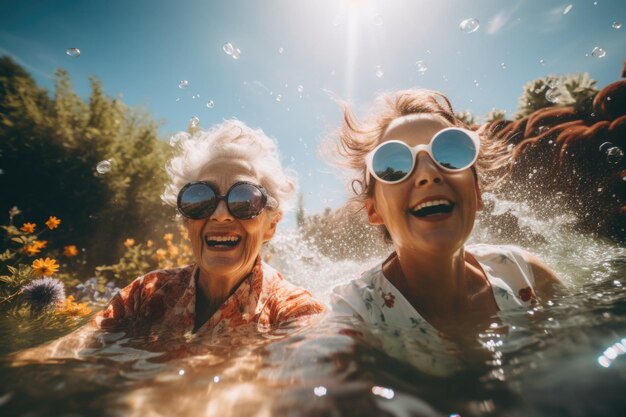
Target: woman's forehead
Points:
(225, 171)
(415, 122)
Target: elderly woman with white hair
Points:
(231, 190)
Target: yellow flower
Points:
(45, 267)
(72, 308)
(53, 222)
(149, 243)
(160, 255)
(28, 227)
(70, 251)
(173, 251)
(31, 249)
(40, 244)
(129, 242)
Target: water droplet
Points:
(595, 3)
(510, 147)
(614, 155)
(281, 50)
(194, 122)
(379, 71)
(210, 104)
(616, 25)
(216, 379)
(181, 372)
(183, 84)
(236, 53)
(378, 21)
(320, 391)
(598, 52)
(568, 8)
(228, 48)
(300, 88)
(73, 52)
(279, 97)
(104, 167)
(476, 83)
(552, 96)
(177, 99)
(502, 65)
(1, 171)
(194, 97)
(383, 392)
(542, 61)
(605, 146)
(600, 189)
(421, 67)
(469, 25)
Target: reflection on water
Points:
(564, 357)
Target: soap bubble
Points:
(469, 25)
(104, 167)
(598, 52)
(421, 67)
(228, 48)
(183, 84)
(210, 104)
(73, 52)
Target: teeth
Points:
(223, 238)
(433, 203)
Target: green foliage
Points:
(467, 118)
(495, 114)
(576, 90)
(49, 150)
(136, 261)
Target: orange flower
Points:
(40, 244)
(160, 255)
(72, 308)
(149, 243)
(53, 222)
(70, 251)
(31, 250)
(129, 242)
(168, 237)
(28, 227)
(173, 251)
(45, 267)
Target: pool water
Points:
(562, 358)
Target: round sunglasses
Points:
(452, 149)
(244, 200)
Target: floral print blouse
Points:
(373, 299)
(163, 302)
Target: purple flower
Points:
(43, 294)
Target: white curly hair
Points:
(231, 139)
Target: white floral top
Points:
(375, 300)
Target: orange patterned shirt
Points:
(164, 301)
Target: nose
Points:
(221, 213)
(426, 171)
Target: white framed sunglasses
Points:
(453, 149)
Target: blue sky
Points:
(142, 49)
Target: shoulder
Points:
(140, 293)
(286, 300)
(351, 298)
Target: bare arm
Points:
(547, 284)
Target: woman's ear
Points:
(275, 216)
(372, 215)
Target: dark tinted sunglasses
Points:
(452, 149)
(244, 200)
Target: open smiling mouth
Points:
(222, 241)
(432, 208)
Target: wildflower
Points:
(168, 237)
(42, 294)
(45, 267)
(129, 242)
(70, 251)
(28, 227)
(71, 308)
(40, 244)
(53, 222)
(160, 255)
(149, 243)
(172, 251)
(32, 249)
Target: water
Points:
(547, 362)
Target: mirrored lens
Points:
(392, 162)
(454, 149)
(197, 201)
(245, 201)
